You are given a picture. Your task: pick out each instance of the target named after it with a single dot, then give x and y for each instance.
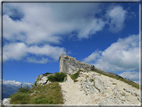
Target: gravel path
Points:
(72, 94)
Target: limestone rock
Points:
(69, 64)
(6, 101)
(94, 88)
(69, 80)
(42, 79)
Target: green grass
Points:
(47, 94)
(96, 87)
(120, 78)
(75, 76)
(91, 80)
(57, 77)
(114, 83)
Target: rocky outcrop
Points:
(42, 79)
(6, 101)
(70, 65)
(94, 88)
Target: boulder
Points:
(42, 79)
(6, 101)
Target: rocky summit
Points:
(93, 87)
(84, 84)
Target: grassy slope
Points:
(47, 94)
(51, 93)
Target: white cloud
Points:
(16, 51)
(131, 75)
(13, 82)
(45, 23)
(92, 57)
(34, 60)
(117, 16)
(120, 56)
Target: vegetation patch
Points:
(97, 89)
(46, 94)
(91, 80)
(23, 89)
(38, 78)
(57, 77)
(119, 78)
(114, 83)
(75, 76)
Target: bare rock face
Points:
(42, 79)
(70, 65)
(6, 101)
(97, 89)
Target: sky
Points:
(105, 35)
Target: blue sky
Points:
(102, 34)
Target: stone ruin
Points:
(70, 65)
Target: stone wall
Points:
(69, 64)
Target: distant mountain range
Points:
(8, 90)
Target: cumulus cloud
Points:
(131, 75)
(34, 60)
(13, 82)
(121, 55)
(94, 56)
(16, 51)
(117, 16)
(45, 23)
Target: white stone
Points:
(6, 101)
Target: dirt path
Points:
(72, 94)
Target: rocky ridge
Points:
(94, 88)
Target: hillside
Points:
(79, 83)
(98, 89)
(83, 87)
(9, 90)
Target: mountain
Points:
(92, 87)
(82, 84)
(9, 90)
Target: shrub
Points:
(34, 85)
(75, 76)
(57, 77)
(23, 89)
